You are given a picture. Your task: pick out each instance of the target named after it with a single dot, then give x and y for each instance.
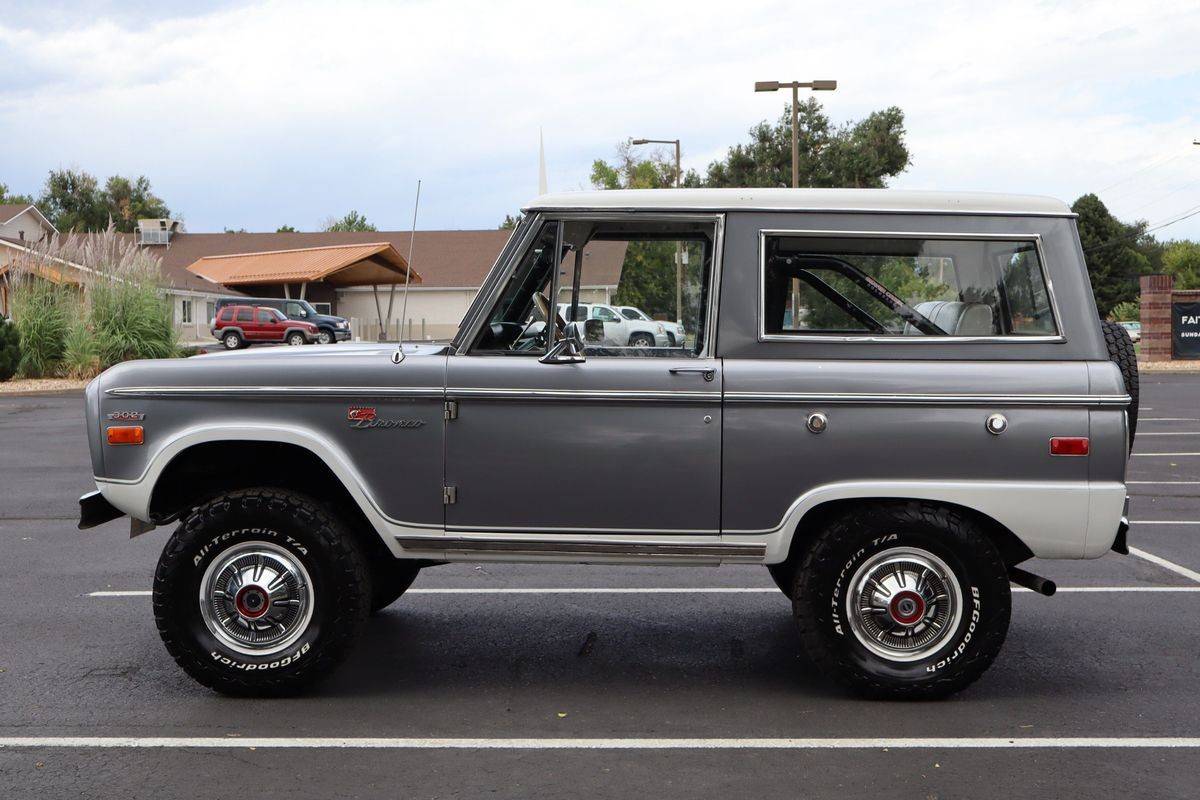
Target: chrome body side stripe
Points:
(592, 395)
(278, 391)
(850, 398)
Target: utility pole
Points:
(795, 86)
(678, 245)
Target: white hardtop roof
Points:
(862, 200)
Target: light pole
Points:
(795, 86)
(678, 245)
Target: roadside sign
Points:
(1185, 330)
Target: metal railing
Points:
(151, 236)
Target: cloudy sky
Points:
(257, 114)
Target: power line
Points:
(1191, 212)
(1152, 165)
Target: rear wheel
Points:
(902, 600)
(260, 592)
(233, 340)
(1122, 353)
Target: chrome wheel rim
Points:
(231, 342)
(903, 604)
(256, 598)
(295, 340)
(324, 338)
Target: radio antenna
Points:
(398, 356)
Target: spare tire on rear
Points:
(1121, 353)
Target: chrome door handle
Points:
(708, 372)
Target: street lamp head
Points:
(824, 86)
(766, 86)
(639, 141)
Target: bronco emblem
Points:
(365, 417)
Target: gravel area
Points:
(1169, 366)
(41, 385)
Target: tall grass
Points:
(42, 313)
(85, 303)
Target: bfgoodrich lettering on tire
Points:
(260, 592)
(902, 600)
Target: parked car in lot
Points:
(330, 329)
(617, 329)
(241, 326)
(1134, 329)
(891, 400)
(674, 330)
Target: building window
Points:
(185, 314)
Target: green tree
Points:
(126, 201)
(861, 154)
(510, 221)
(7, 198)
(1181, 260)
(70, 200)
(351, 222)
(656, 170)
(1129, 311)
(285, 229)
(1111, 251)
(74, 200)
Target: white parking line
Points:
(683, 590)
(374, 743)
(1165, 483)
(1168, 433)
(1168, 419)
(1148, 455)
(1169, 565)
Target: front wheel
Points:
(902, 600)
(641, 340)
(296, 339)
(325, 337)
(260, 592)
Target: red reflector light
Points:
(125, 434)
(1069, 446)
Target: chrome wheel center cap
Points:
(256, 598)
(903, 604)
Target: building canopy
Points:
(372, 264)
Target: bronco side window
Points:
(903, 286)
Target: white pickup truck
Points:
(619, 330)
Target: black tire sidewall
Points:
(196, 545)
(986, 599)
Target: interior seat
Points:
(955, 318)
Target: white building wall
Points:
(432, 313)
(25, 225)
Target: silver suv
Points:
(888, 399)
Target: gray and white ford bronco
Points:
(889, 399)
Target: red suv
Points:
(242, 326)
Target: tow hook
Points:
(1030, 581)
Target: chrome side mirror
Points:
(567, 350)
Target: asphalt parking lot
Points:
(550, 683)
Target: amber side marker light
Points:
(125, 434)
(1069, 446)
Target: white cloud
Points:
(287, 112)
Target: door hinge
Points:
(451, 411)
(449, 495)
